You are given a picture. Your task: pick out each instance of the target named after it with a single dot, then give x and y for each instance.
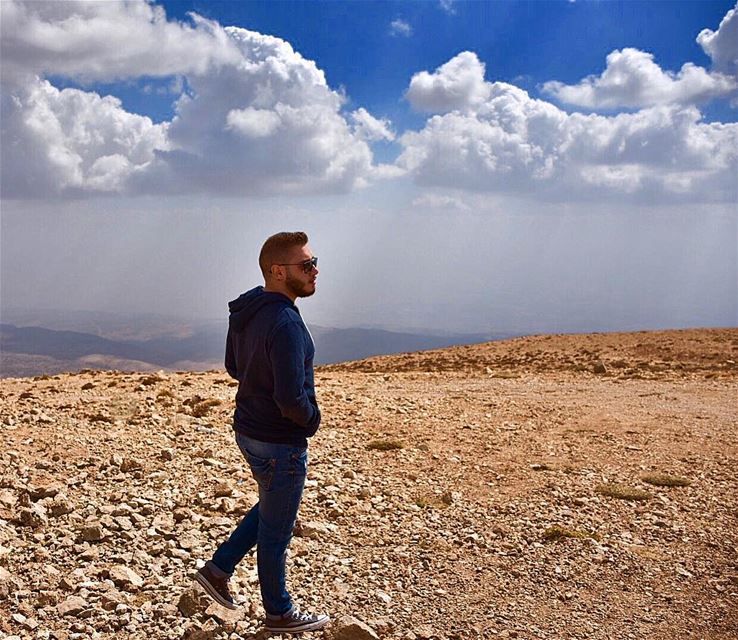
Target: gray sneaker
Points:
(216, 587)
(295, 621)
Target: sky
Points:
(526, 167)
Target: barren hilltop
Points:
(555, 487)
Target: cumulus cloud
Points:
(512, 142)
(370, 128)
(632, 79)
(722, 45)
(71, 140)
(400, 27)
(457, 84)
(257, 118)
(103, 41)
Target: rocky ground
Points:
(572, 487)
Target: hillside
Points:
(578, 486)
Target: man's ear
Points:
(275, 271)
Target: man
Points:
(270, 352)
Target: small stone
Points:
(192, 602)
(424, 631)
(33, 516)
(207, 631)
(125, 578)
(349, 628)
(60, 506)
(92, 532)
(313, 530)
(44, 490)
(72, 606)
(223, 490)
(599, 367)
(130, 464)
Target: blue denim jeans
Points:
(279, 470)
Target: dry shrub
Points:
(665, 480)
(622, 492)
(384, 445)
(557, 532)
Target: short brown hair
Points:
(275, 248)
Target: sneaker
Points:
(295, 621)
(216, 587)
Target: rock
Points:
(72, 580)
(130, 464)
(111, 599)
(599, 367)
(192, 602)
(92, 532)
(424, 631)
(349, 628)
(313, 530)
(33, 516)
(44, 490)
(125, 578)
(60, 506)
(222, 615)
(6, 583)
(72, 606)
(223, 490)
(7, 498)
(207, 631)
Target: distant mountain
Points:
(26, 351)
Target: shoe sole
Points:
(210, 590)
(311, 626)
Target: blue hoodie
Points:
(270, 352)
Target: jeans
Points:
(279, 470)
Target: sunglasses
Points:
(307, 265)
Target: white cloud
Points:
(400, 27)
(257, 119)
(457, 84)
(511, 142)
(633, 79)
(722, 45)
(370, 128)
(448, 6)
(253, 123)
(102, 41)
(71, 140)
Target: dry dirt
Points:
(463, 493)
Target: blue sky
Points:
(545, 148)
(526, 43)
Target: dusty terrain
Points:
(460, 493)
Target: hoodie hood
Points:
(248, 304)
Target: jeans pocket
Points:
(298, 463)
(262, 469)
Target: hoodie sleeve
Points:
(287, 356)
(230, 356)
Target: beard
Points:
(298, 288)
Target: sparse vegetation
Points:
(622, 492)
(384, 445)
(558, 532)
(431, 501)
(665, 480)
(151, 380)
